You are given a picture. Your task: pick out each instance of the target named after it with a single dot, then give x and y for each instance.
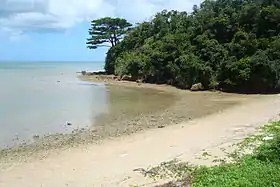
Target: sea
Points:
(39, 98)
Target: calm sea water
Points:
(37, 98)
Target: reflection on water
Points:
(39, 101)
(48, 109)
(132, 110)
(36, 101)
(41, 98)
(125, 103)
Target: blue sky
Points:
(56, 30)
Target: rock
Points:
(161, 126)
(116, 78)
(126, 78)
(99, 73)
(69, 124)
(197, 87)
(139, 80)
(170, 82)
(36, 137)
(84, 73)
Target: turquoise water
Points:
(38, 98)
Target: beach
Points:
(151, 93)
(188, 124)
(131, 108)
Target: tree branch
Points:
(104, 46)
(106, 31)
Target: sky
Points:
(56, 30)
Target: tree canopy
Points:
(229, 44)
(107, 31)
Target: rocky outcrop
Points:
(128, 78)
(197, 87)
(84, 73)
(139, 81)
(93, 73)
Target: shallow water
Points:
(128, 103)
(40, 98)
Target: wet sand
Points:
(132, 108)
(114, 161)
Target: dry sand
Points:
(112, 163)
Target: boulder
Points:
(197, 87)
(99, 73)
(170, 82)
(126, 78)
(93, 73)
(116, 77)
(139, 81)
(84, 73)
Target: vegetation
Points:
(260, 168)
(229, 44)
(106, 31)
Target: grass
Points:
(249, 172)
(261, 168)
(258, 168)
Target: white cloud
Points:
(139, 10)
(40, 15)
(19, 16)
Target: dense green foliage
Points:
(260, 169)
(231, 44)
(107, 32)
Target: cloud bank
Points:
(20, 16)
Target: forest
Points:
(232, 45)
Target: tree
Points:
(107, 30)
(228, 44)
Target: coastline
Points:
(186, 106)
(114, 161)
(165, 134)
(110, 80)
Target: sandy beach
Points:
(131, 108)
(112, 162)
(146, 93)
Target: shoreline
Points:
(111, 80)
(177, 113)
(113, 162)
